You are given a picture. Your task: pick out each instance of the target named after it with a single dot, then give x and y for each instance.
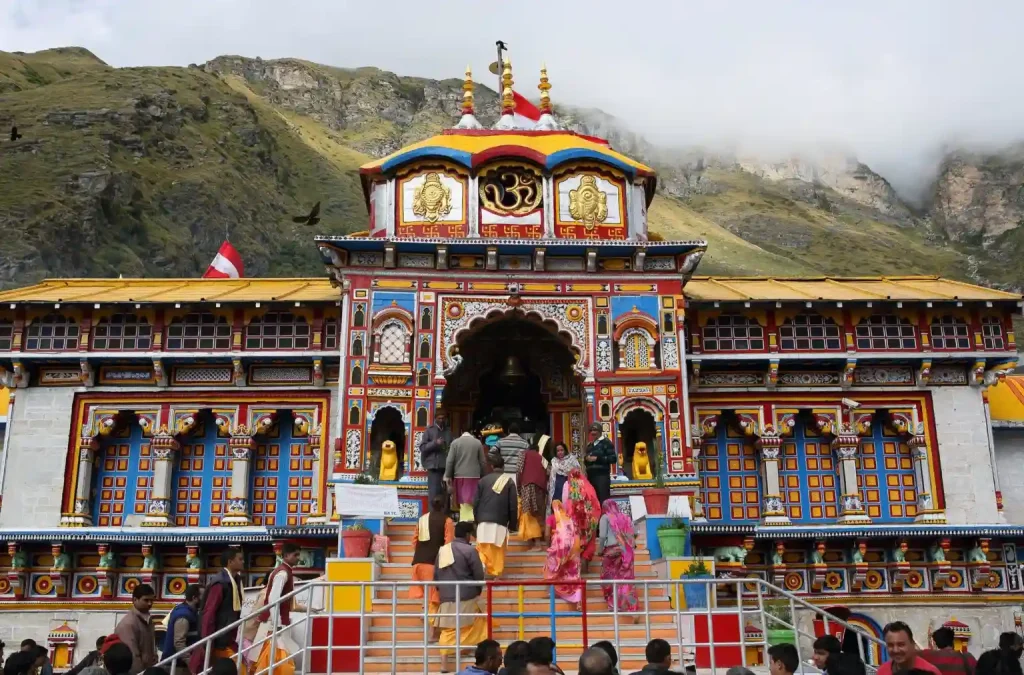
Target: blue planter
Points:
(697, 594)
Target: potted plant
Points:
(672, 538)
(365, 479)
(776, 632)
(656, 498)
(356, 539)
(697, 594)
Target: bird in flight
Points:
(312, 219)
(14, 134)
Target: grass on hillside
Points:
(25, 71)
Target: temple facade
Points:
(830, 435)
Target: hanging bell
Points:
(512, 373)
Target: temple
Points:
(829, 435)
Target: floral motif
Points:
(890, 375)
(604, 354)
(669, 353)
(731, 379)
(812, 379)
(353, 448)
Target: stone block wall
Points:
(964, 456)
(1010, 465)
(37, 454)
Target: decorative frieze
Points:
(202, 375)
(884, 376)
(948, 375)
(810, 379)
(280, 374)
(731, 379)
(127, 375)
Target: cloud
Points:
(893, 83)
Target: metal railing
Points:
(749, 600)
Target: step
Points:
(569, 620)
(411, 606)
(407, 650)
(530, 593)
(510, 632)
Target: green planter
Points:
(673, 543)
(779, 636)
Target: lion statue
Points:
(388, 461)
(641, 463)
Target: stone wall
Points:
(964, 456)
(1010, 464)
(40, 432)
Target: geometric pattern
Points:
(950, 332)
(886, 332)
(729, 478)
(392, 344)
(886, 478)
(124, 475)
(201, 482)
(809, 332)
(282, 492)
(52, 332)
(277, 330)
(122, 332)
(991, 329)
(808, 477)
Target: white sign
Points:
(380, 501)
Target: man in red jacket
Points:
(221, 606)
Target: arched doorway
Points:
(388, 425)
(513, 369)
(638, 426)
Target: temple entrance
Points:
(513, 370)
(387, 425)
(638, 426)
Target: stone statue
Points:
(777, 557)
(936, 554)
(641, 462)
(19, 560)
(817, 557)
(150, 562)
(108, 560)
(977, 555)
(730, 554)
(195, 563)
(62, 563)
(898, 554)
(856, 557)
(388, 461)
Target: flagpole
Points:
(501, 65)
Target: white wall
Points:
(37, 455)
(1010, 464)
(964, 456)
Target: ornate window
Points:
(602, 324)
(6, 336)
(392, 344)
(202, 478)
(359, 316)
(808, 479)
(886, 478)
(123, 478)
(424, 347)
(353, 415)
(729, 478)
(810, 333)
(277, 330)
(282, 484)
(673, 407)
(426, 322)
(886, 332)
(668, 324)
(357, 375)
(331, 333)
(991, 330)
(733, 333)
(636, 350)
(950, 332)
(199, 331)
(52, 333)
(606, 411)
(421, 417)
(423, 378)
(123, 332)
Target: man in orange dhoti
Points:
(496, 511)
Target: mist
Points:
(895, 84)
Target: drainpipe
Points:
(7, 445)
(992, 454)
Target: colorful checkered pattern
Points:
(124, 476)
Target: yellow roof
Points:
(1006, 399)
(315, 289)
(472, 147)
(839, 288)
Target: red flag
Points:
(227, 264)
(524, 108)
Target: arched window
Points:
(949, 333)
(357, 375)
(357, 344)
(202, 477)
(6, 335)
(885, 476)
(353, 415)
(359, 316)
(807, 478)
(426, 321)
(52, 333)
(122, 332)
(732, 333)
(425, 347)
(810, 333)
(668, 324)
(393, 344)
(421, 417)
(729, 476)
(673, 407)
(991, 330)
(635, 353)
(282, 477)
(423, 378)
(606, 411)
(602, 324)
(199, 331)
(277, 330)
(123, 477)
(331, 333)
(886, 332)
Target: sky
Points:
(893, 83)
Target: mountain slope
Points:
(145, 169)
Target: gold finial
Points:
(467, 96)
(508, 102)
(545, 87)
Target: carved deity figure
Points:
(641, 462)
(818, 556)
(19, 560)
(777, 557)
(587, 204)
(977, 555)
(150, 562)
(432, 200)
(62, 563)
(195, 563)
(730, 554)
(856, 555)
(936, 554)
(107, 560)
(899, 554)
(388, 461)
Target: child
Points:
(784, 659)
(824, 647)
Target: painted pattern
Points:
(283, 479)
(808, 478)
(885, 476)
(729, 478)
(124, 476)
(202, 478)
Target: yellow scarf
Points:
(424, 528)
(502, 481)
(236, 595)
(446, 556)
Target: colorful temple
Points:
(830, 435)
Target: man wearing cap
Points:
(599, 459)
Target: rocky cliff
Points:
(144, 170)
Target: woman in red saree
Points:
(585, 510)
(563, 563)
(618, 542)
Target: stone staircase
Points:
(520, 564)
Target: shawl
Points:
(584, 509)
(563, 553)
(622, 526)
(532, 470)
(564, 466)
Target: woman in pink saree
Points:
(582, 505)
(617, 542)
(563, 563)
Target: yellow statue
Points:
(641, 463)
(388, 461)
(432, 200)
(587, 204)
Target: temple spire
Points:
(508, 100)
(468, 120)
(547, 121)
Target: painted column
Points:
(846, 445)
(684, 375)
(343, 337)
(87, 447)
(772, 511)
(240, 447)
(926, 511)
(319, 496)
(163, 448)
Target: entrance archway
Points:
(638, 426)
(513, 370)
(387, 425)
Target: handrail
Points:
(743, 603)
